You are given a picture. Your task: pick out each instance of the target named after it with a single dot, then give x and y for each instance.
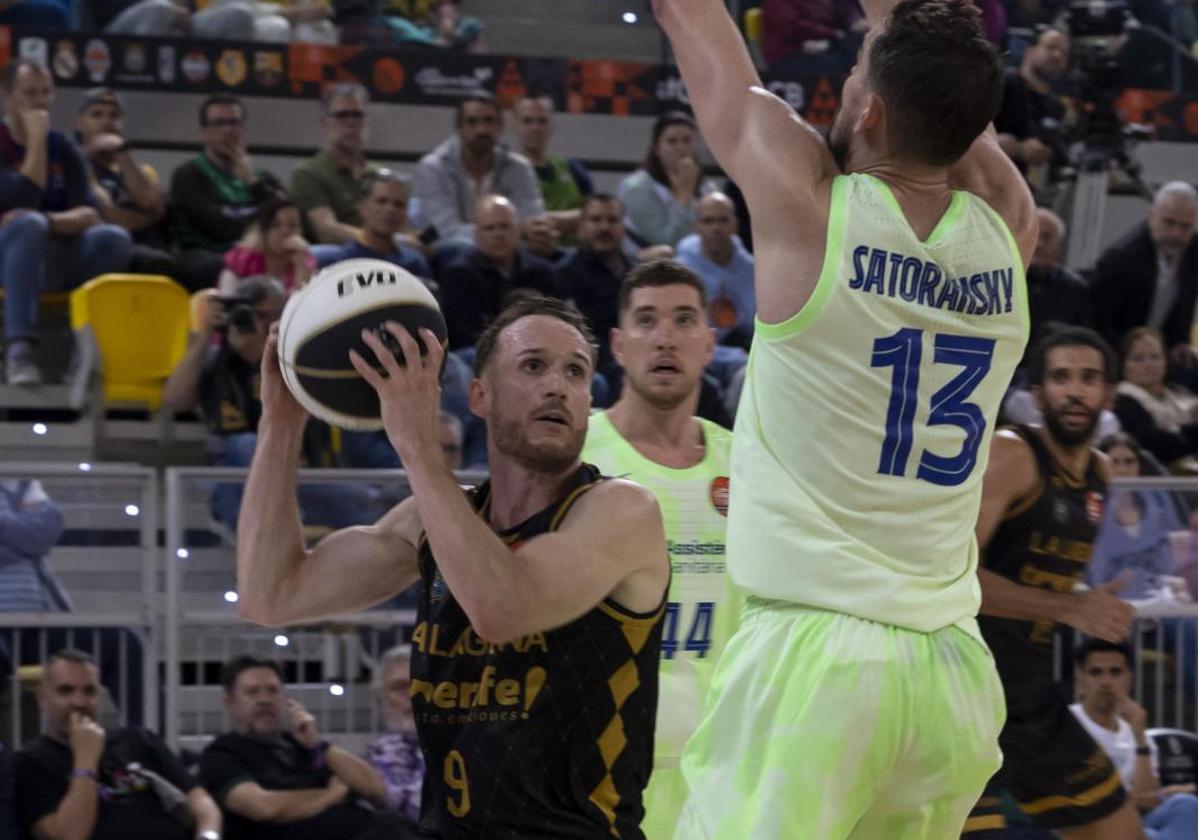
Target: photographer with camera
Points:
(219, 375)
(1031, 115)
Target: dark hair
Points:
(653, 164)
(79, 657)
(481, 96)
(215, 99)
(600, 197)
(1089, 646)
(269, 210)
(1071, 336)
(1132, 336)
(1119, 439)
(659, 273)
(8, 74)
(234, 668)
(940, 79)
(522, 307)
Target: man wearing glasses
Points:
(329, 186)
(214, 196)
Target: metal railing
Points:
(183, 610)
(128, 634)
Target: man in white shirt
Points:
(1119, 726)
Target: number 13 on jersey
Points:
(903, 352)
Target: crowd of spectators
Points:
(271, 775)
(480, 222)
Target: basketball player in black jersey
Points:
(1041, 505)
(535, 655)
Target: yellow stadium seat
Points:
(754, 25)
(134, 327)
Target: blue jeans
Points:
(25, 244)
(334, 505)
(1174, 819)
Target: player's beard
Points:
(661, 400)
(511, 438)
(1064, 435)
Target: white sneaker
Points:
(20, 368)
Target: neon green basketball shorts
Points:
(822, 726)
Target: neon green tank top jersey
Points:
(865, 422)
(703, 610)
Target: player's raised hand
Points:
(279, 405)
(409, 388)
(1100, 612)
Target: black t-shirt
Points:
(128, 808)
(230, 392)
(279, 765)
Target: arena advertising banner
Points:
(427, 77)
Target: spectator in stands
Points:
(382, 214)
(811, 36)
(276, 781)
(1126, 458)
(1055, 294)
(396, 753)
(273, 246)
(432, 23)
(479, 284)
(1119, 725)
(1031, 115)
(1150, 276)
(36, 14)
(659, 198)
(472, 164)
(716, 254)
(221, 379)
(30, 526)
(329, 186)
(564, 181)
(51, 234)
(215, 195)
(167, 18)
(78, 781)
(592, 275)
(128, 191)
(280, 21)
(1161, 415)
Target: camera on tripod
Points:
(1096, 28)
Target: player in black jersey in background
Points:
(535, 656)
(1042, 503)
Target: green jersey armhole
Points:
(827, 279)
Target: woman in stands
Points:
(1161, 415)
(660, 197)
(396, 753)
(272, 245)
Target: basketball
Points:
(324, 320)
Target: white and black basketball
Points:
(324, 321)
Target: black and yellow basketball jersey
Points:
(544, 738)
(1046, 540)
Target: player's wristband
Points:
(84, 773)
(1143, 751)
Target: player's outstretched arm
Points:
(758, 139)
(278, 581)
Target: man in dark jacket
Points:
(49, 224)
(215, 195)
(1150, 276)
(478, 285)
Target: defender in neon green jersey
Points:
(651, 436)
(856, 700)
